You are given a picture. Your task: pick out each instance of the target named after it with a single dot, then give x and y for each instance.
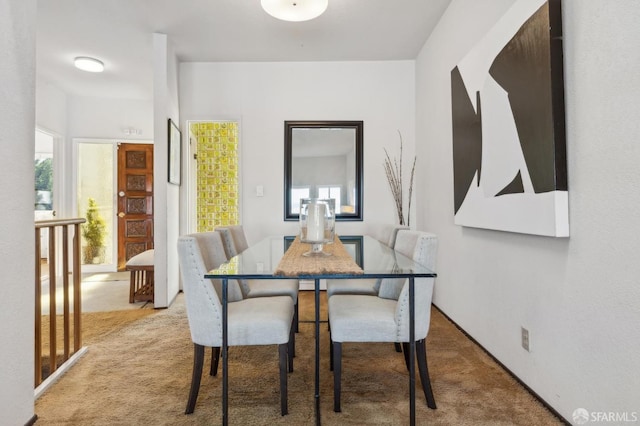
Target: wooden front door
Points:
(135, 200)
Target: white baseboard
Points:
(59, 372)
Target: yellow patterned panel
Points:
(217, 176)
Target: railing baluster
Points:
(38, 322)
(65, 286)
(52, 226)
(52, 301)
(77, 335)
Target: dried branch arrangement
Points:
(393, 169)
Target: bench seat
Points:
(141, 286)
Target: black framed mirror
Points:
(323, 159)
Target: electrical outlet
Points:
(525, 338)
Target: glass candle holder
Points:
(317, 224)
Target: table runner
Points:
(293, 263)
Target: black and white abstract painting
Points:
(509, 146)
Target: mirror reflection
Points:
(324, 160)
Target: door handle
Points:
(121, 214)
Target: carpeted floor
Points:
(138, 373)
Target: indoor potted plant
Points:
(93, 232)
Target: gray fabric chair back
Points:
(394, 235)
(382, 233)
(422, 247)
(235, 242)
(197, 254)
(234, 239)
(419, 246)
(386, 233)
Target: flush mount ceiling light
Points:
(88, 64)
(295, 10)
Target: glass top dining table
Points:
(377, 260)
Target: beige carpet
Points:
(138, 373)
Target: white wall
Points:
(107, 118)
(51, 117)
(579, 297)
(166, 196)
(17, 248)
(51, 107)
(261, 96)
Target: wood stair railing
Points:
(70, 258)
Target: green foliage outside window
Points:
(43, 183)
(44, 174)
(93, 232)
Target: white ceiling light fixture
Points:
(295, 10)
(86, 63)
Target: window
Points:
(296, 195)
(329, 192)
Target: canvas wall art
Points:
(509, 146)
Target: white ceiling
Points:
(119, 32)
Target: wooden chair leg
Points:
(283, 351)
(330, 353)
(421, 354)
(132, 286)
(292, 336)
(405, 350)
(291, 348)
(215, 359)
(337, 371)
(330, 347)
(198, 360)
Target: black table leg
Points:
(317, 331)
(225, 353)
(412, 353)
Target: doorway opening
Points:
(114, 192)
(96, 168)
(45, 188)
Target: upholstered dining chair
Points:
(235, 242)
(374, 318)
(387, 235)
(265, 321)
